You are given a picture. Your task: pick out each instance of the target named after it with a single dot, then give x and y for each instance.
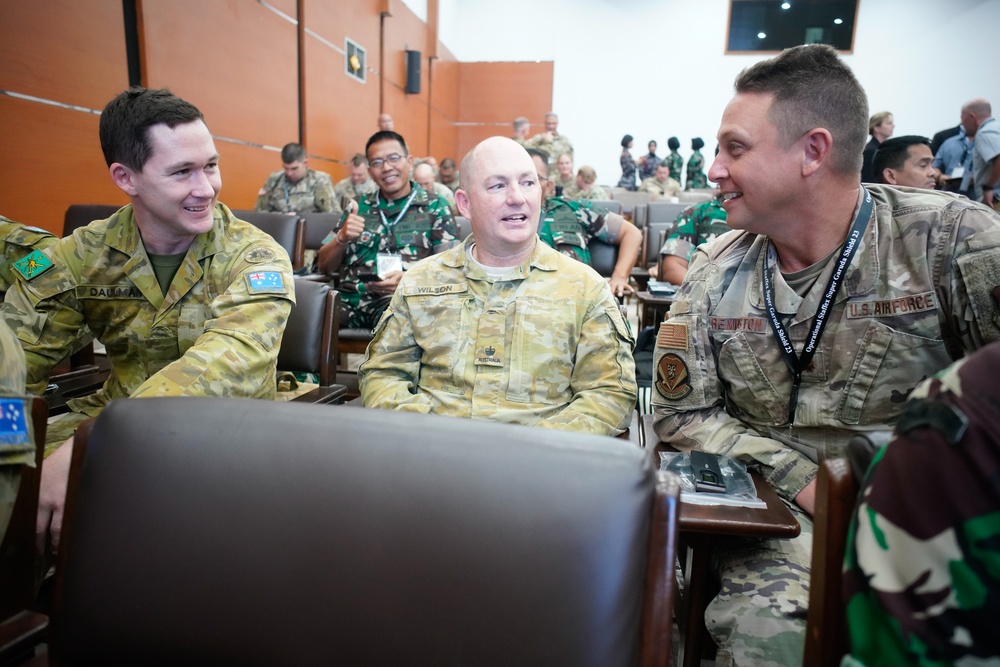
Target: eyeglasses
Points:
(392, 158)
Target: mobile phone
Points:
(707, 474)
(368, 277)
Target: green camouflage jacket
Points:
(695, 225)
(312, 194)
(215, 332)
(568, 225)
(16, 241)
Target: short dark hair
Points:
(543, 156)
(673, 143)
(447, 163)
(626, 140)
(359, 160)
(386, 135)
(125, 122)
(812, 87)
(893, 153)
(697, 144)
(293, 152)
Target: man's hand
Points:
(620, 287)
(353, 225)
(387, 285)
(52, 496)
(806, 498)
(988, 197)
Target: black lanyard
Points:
(797, 364)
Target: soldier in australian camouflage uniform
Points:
(539, 342)
(661, 185)
(16, 442)
(550, 141)
(297, 188)
(398, 219)
(188, 300)
(921, 577)
(16, 241)
(732, 372)
(695, 225)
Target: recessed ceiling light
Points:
(838, 21)
(786, 5)
(761, 35)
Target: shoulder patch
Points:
(13, 423)
(259, 255)
(672, 380)
(33, 265)
(265, 282)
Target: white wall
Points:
(656, 68)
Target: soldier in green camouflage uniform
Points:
(398, 219)
(661, 186)
(696, 166)
(16, 439)
(674, 161)
(915, 295)
(16, 241)
(921, 570)
(565, 178)
(297, 188)
(695, 225)
(550, 141)
(539, 341)
(187, 300)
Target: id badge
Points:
(386, 263)
(957, 172)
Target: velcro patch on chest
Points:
(127, 291)
(904, 305)
(265, 282)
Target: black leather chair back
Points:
(603, 256)
(231, 531)
(309, 342)
(287, 230)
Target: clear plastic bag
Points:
(740, 489)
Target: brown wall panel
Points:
(244, 170)
(444, 106)
(237, 62)
(54, 160)
(64, 50)
(340, 112)
(403, 30)
(493, 94)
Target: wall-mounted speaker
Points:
(413, 72)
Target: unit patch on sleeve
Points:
(33, 265)
(13, 423)
(265, 282)
(672, 379)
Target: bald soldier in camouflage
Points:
(903, 281)
(921, 576)
(661, 186)
(399, 220)
(503, 327)
(550, 141)
(297, 188)
(16, 241)
(187, 300)
(16, 440)
(358, 184)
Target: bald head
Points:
(423, 174)
(385, 123)
(974, 112)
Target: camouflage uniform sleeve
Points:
(444, 230)
(46, 316)
(326, 198)
(237, 352)
(688, 396)
(389, 374)
(973, 279)
(262, 204)
(603, 377)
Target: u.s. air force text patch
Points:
(33, 265)
(672, 379)
(265, 282)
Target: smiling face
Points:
(551, 123)
(175, 193)
(758, 180)
(565, 166)
(502, 199)
(392, 179)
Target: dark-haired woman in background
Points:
(674, 160)
(627, 180)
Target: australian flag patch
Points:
(13, 424)
(265, 282)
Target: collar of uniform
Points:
(861, 274)
(395, 205)
(542, 257)
(122, 233)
